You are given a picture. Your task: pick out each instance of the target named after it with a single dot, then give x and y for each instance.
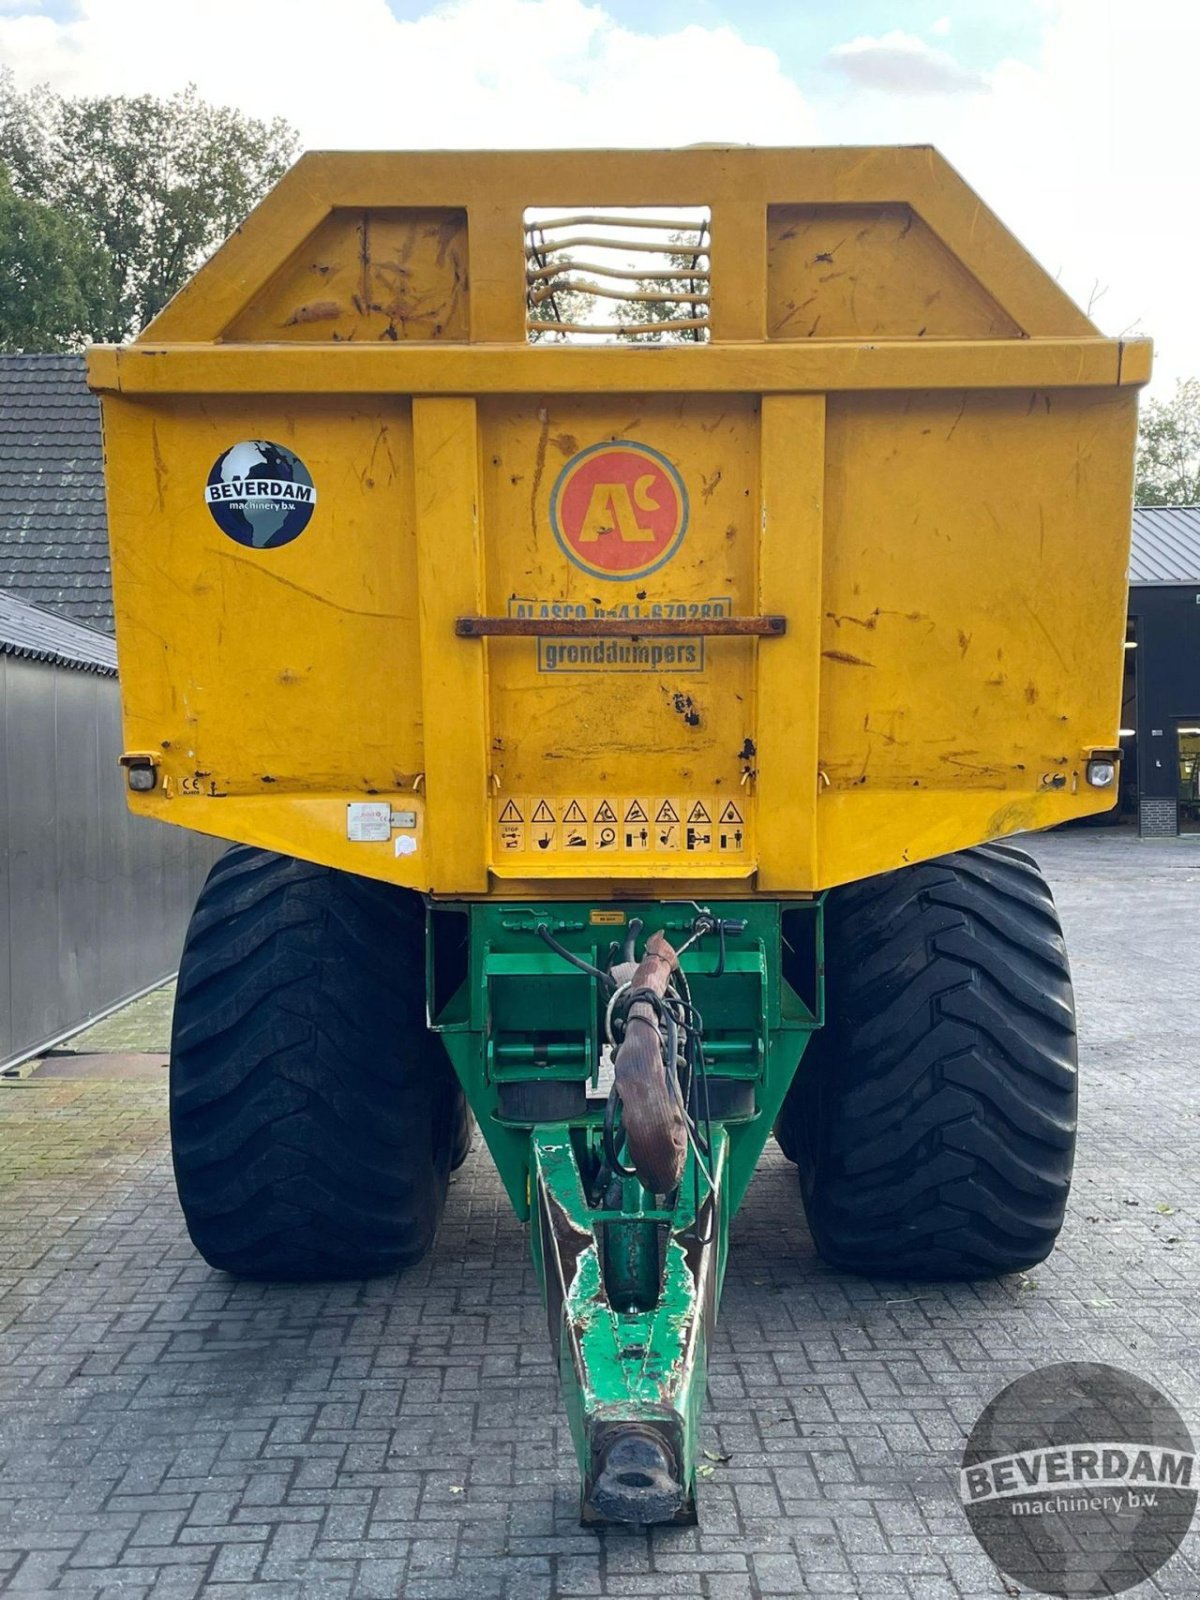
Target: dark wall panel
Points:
(1168, 673)
(93, 901)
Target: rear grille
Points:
(592, 277)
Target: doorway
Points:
(1188, 740)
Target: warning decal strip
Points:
(627, 825)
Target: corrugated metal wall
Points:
(93, 901)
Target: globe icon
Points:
(260, 494)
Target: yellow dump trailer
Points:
(518, 551)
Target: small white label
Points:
(369, 821)
(406, 844)
(404, 819)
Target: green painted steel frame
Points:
(631, 1291)
(622, 1364)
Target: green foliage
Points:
(155, 183)
(1168, 459)
(564, 305)
(640, 316)
(641, 313)
(52, 277)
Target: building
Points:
(93, 900)
(1160, 717)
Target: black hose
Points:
(610, 1137)
(548, 938)
(697, 1090)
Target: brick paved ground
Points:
(166, 1432)
(144, 1025)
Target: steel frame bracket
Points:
(630, 1304)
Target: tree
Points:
(570, 294)
(1168, 459)
(53, 280)
(156, 183)
(692, 303)
(559, 304)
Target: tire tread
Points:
(933, 1118)
(314, 1119)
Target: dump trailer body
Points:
(807, 565)
(902, 454)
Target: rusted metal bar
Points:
(619, 627)
(626, 330)
(658, 296)
(555, 269)
(664, 247)
(592, 219)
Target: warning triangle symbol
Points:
(731, 813)
(636, 812)
(699, 813)
(574, 813)
(511, 813)
(604, 813)
(666, 813)
(543, 812)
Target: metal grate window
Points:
(629, 275)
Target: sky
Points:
(1075, 120)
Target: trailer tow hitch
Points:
(629, 1193)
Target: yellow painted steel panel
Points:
(787, 738)
(776, 368)
(974, 615)
(390, 274)
(322, 548)
(871, 272)
(449, 584)
(574, 717)
(495, 187)
(269, 678)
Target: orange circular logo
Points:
(619, 510)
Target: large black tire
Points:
(314, 1119)
(933, 1117)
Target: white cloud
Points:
(900, 63)
(1087, 150)
(472, 72)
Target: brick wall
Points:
(1158, 819)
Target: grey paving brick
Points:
(777, 1574)
(725, 1586)
(236, 1563)
(143, 1026)
(169, 1434)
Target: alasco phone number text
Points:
(581, 611)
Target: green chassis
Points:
(631, 1289)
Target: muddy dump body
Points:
(569, 576)
(839, 587)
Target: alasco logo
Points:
(1079, 1479)
(619, 510)
(260, 494)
